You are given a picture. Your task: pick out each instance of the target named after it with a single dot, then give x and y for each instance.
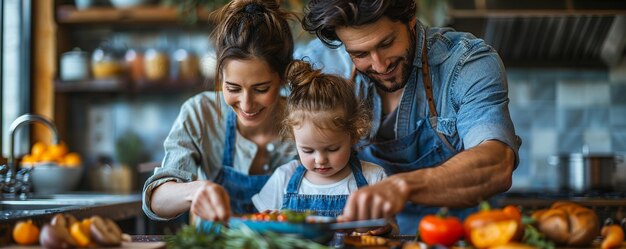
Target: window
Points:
(15, 35)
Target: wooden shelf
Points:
(509, 13)
(68, 14)
(124, 85)
(94, 85)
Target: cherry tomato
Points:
(436, 229)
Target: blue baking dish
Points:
(321, 231)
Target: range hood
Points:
(547, 33)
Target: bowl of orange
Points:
(51, 178)
(54, 169)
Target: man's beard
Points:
(405, 62)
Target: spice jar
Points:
(156, 65)
(187, 66)
(134, 61)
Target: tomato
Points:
(437, 229)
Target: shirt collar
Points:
(419, 44)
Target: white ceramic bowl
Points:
(127, 3)
(49, 178)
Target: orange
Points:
(28, 160)
(72, 159)
(47, 157)
(38, 149)
(57, 151)
(80, 233)
(26, 233)
(494, 234)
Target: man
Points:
(439, 99)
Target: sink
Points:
(29, 206)
(14, 208)
(58, 201)
(78, 203)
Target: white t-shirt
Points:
(271, 195)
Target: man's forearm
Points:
(464, 180)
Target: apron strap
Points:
(228, 157)
(296, 180)
(357, 171)
(426, 79)
(428, 86)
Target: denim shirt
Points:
(470, 94)
(195, 146)
(469, 86)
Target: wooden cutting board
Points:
(125, 245)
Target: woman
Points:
(221, 151)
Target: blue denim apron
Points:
(323, 205)
(415, 149)
(240, 187)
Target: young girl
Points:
(325, 120)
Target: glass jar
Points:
(134, 61)
(104, 63)
(187, 66)
(156, 65)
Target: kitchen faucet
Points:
(10, 180)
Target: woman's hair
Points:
(326, 100)
(247, 29)
(322, 17)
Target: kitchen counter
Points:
(402, 238)
(80, 205)
(41, 209)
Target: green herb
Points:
(189, 237)
(242, 237)
(533, 237)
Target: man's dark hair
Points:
(323, 16)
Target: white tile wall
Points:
(598, 141)
(559, 111)
(583, 94)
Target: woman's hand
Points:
(211, 202)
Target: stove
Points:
(608, 205)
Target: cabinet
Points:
(92, 114)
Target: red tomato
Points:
(281, 218)
(435, 229)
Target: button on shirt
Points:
(195, 145)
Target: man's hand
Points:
(381, 200)
(211, 202)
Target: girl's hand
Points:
(211, 202)
(381, 200)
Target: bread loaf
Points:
(568, 223)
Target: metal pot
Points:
(579, 172)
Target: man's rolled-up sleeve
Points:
(480, 93)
